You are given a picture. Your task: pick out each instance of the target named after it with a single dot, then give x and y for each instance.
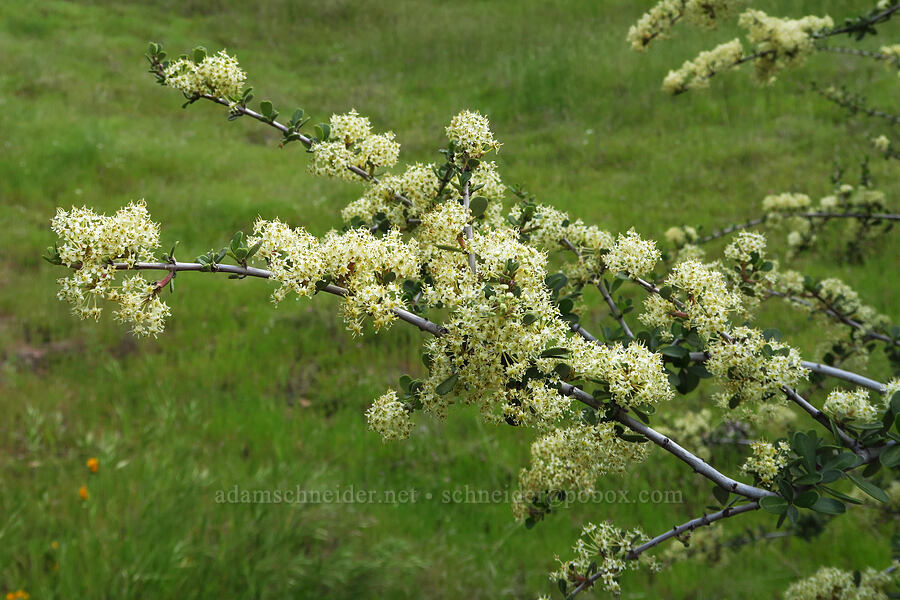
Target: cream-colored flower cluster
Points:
(766, 461)
(140, 306)
(548, 227)
(837, 584)
(708, 302)
(745, 244)
(655, 24)
(697, 73)
(370, 268)
(632, 254)
(218, 75)
(782, 43)
(389, 417)
(90, 243)
(785, 203)
(570, 460)
(471, 132)
(659, 20)
(679, 236)
(634, 375)
(751, 278)
(418, 184)
(882, 143)
(608, 548)
(352, 143)
(752, 370)
(850, 407)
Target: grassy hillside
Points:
(239, 393)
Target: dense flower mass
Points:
(781, 43)
(766, 461)
(632, 254)
(697, 73)
(705, 301)
(351, 143)
(845, 406)
(471, 132)
(831, 582)
(91, 244)
(388, 417)
(603, 549)
(218, 75)
(659, 20)
(369, 267)
(752, 369)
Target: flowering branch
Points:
(697, 464)
(691, 525)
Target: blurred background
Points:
(239, 393)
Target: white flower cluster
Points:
(850, 407)
(787, 202)
(837, 584)
(369, 267)
(218, 75)
(659, 20)
(351, 143)
(548, 227)
(607, 548)
(634, 375)
(704, 293)
(389, 417)
(882, 143)
(471, 132)
(745, 244)
(783, 43)
(751, 369)
(697, 73)
(418, 184)
(632, 254)
(753, 279)
(90, 243)
(766, 461)
(570, 460)
(679, 236)
(655, 23)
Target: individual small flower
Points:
(389, 417)
(471, 132)
(83, 492)
(93, 465)
(854, 407)
(766, 461)
(632, 254)
(18, 595)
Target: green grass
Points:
(239, 393)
